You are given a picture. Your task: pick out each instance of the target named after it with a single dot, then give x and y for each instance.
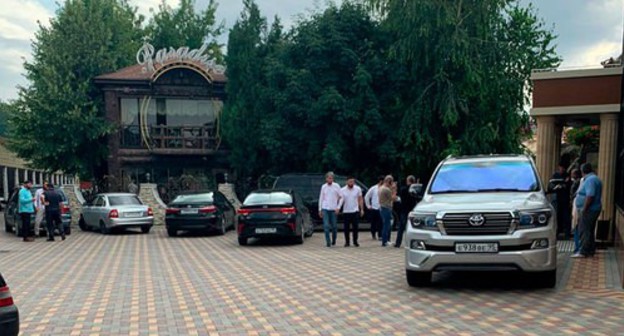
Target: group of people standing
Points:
(379, 201)
(46, 202)
(578, 201)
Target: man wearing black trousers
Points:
(408, 202)
(53, 204)
(372, 203)
(352, 209)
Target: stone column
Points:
(5, 183)
(16, 175)
(34, 177)
(25, 174)
(546, 147)
(40, 178)
(607, 155)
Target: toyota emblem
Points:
(476, 220)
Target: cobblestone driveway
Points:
(134, 284)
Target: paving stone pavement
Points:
(150, 284)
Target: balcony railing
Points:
(170, 137)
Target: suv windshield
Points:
(485, 176)
(274, 198)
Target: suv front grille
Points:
(495, 223)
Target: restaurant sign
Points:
(151, 60)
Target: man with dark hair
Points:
(53, 204)
(26, 208)
(589, 203)
(371, 199)
(330, 199)
(408, 202)
(352, 210)
(561, 189)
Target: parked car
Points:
(309, 187)
(9, 314)
(13, 222)
(111, 211)
(200, 211)
(483, 213)
(274, 213)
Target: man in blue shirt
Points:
(589, 204)
(26, 208)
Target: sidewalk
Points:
(597, 275)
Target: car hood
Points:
(495, 201)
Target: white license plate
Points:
(188, 211)
(476, 247)
(266, 230)
(134, 214)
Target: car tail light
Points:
(172, 211)
(113, 214)
(5, 297)
(65, 209)
(288, 211)
(208, 209)
(292, 226)
(150, 212)
(285, 211)
(241, 227)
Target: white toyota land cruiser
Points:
(483, 213)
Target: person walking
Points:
(330, 200)
(386, 200)
(371, 199)
(352, 210)
(589, 203)
(39, 208)
(408, 202)
(576, 183)
(26, 208)
(53, 204)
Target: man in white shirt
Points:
(372, 203)
(352, 209)
(330, 200)
(39, 207)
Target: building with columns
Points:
(569, 98)
(14, 170)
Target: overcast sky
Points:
(589, 31)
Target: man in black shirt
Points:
(53, 204)
(408, 202)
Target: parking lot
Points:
(150, 284)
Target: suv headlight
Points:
(423, 220)
(533, 218)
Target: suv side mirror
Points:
(416, 190)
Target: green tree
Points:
(6, 109)
(60, 123)
(241, 116)
(312, 99)
(466, 83)
(183, 26)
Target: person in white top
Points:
(372, 203)
(330, 200)
(352, 209)
(39, 207)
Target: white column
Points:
(5, 183)
(25, 174)
(40, 178)
(607, 154)
(16, 175)
(34, 177)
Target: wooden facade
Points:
(167, 122)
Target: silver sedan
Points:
(116, 210)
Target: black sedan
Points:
(274, 213)
(9, 315)
(200, 211)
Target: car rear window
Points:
(124, 200)
(485, 176)
(195, 198)
(274, 198)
